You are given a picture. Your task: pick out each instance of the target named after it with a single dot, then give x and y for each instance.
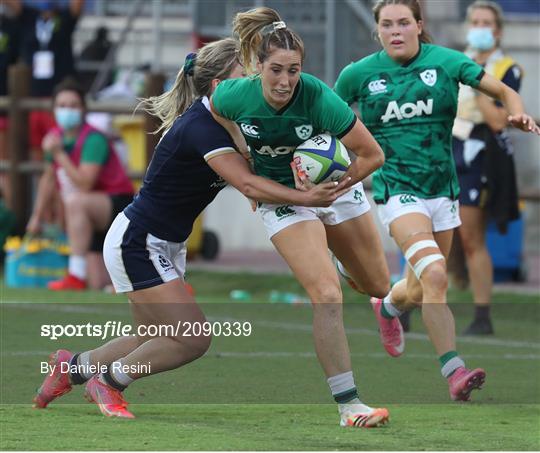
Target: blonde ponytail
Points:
(169, 105)
(215, 60)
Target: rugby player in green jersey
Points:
(407, 98)
(277, 109)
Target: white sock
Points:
(390, 308)
(451, 366)
(341, 383)
(77, 266)
(84, 365)
(119, 375)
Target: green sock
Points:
(445, 358)
(450, 362)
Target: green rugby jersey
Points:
(272, 135)
(410, 109)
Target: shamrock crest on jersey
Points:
(429, 77)
(304, 131)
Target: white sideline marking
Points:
(409, 336)
(371, 355)
(312, 355)
(496, 342)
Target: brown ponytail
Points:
(259, 30)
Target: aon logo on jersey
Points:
(278, 151)
(407, 110)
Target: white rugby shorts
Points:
(137, 260)
(443, 212)
(352, 204)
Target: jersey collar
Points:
(206, 102)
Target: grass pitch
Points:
(266, 391)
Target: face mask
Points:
(481, 38)
(68, 118)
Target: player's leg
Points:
(151, 271)
(358, 248)
(357, 245)
(164, 307)
(138, 260)
(303, 245)
(426, 254)
(83, 366)
(304, 248)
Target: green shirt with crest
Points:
(410, 109)
(273, 135)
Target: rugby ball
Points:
(322, 158)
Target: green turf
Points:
(270, 427)
(266, 391)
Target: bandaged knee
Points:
(425, 261)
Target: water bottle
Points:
(284, 297)
(240, 295)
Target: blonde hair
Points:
(215, 60)
(259, 30)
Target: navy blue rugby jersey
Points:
(179, 183)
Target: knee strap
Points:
(422, 263)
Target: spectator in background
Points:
(484, 156)
(94, 52)
(93, 184)
(9, 46)
(46, 46)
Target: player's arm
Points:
(234, 169)
(494, 113)
(495, 117)
(512, 102)
(369, 155)
(44, 195)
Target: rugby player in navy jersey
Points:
(145, 251)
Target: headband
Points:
(271, 28)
